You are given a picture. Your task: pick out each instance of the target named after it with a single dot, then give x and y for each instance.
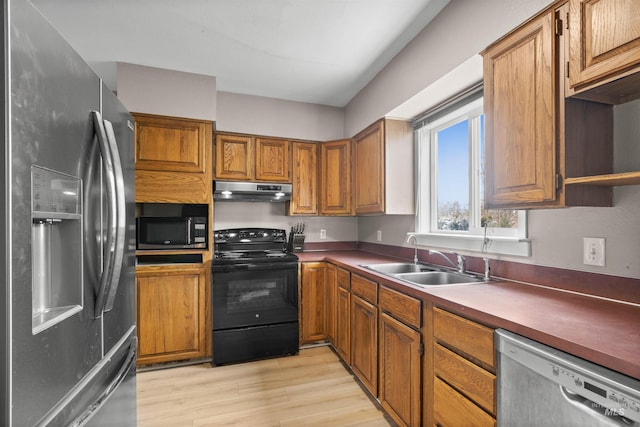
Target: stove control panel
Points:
(249, 235)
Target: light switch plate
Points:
(593, 251)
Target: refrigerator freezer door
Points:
(109, 385)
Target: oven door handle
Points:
(256, 267)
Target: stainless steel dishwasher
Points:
(541, 386)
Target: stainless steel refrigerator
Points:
(68, 298)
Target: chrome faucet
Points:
(487, 269)
(459, 266)
(415, 247)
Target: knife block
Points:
(297, 244)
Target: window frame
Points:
(496, 240)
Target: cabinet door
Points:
(234, 157)
(331, 279)
(343, 324)
(520, 117)
(313, 311)
(335, 178)
(364, 342)
(173, 159)
(368, 153)
(170, 144)
(304, 198)
(400, 371)
(272, 160)
(604, 39)
(171, 313)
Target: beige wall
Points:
(556, 234)
(165, 92)
(272, 215)
(276, 117)
(463, 29)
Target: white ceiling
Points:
(318, 51)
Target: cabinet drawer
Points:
(403, 307)
(473, 381)
(453, 409)
(344, 278)
(463, 335)
(364, 288)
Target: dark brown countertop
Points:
(603, 331)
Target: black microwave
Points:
(188, 232)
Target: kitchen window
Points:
(450, 184)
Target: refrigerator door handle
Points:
(120, 222)
(111, 238)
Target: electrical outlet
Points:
(379, 236)
(323, 234)
(593, 251)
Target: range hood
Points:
(233, 191)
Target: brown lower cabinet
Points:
(464, 371)
(342, 312)
(313, 295)
(331, 285)
(452, 409)
(364, 331)
(400, 356)
(380, 334)
(171, 313)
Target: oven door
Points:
(247, 295)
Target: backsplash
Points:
(272, 215)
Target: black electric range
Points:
(254, 295)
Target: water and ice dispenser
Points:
(56, 237)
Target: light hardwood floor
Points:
(309, 389)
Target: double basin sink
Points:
(423, 274)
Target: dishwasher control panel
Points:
(613, 400)
(582, 383)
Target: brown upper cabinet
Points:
(304, 170)
(250, 158)
(335, 178)
(170, 144)
(383, 169)
(520, 114)
(539, 144)
(273, 159)
(234, 157)
(171, 159)
(604, 44)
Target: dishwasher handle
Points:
(615, 415)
